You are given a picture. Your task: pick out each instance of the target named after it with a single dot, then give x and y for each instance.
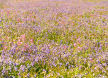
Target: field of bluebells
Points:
(53, 38)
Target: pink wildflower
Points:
(26, 47)
(31, 41)
(18, 20)
(19, 42)
(4, 47)
(65, 47)
(74, 44)
(8, 13)
(23, 49)
(22, 37)
(79, 48)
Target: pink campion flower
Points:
(79, 40)
(91, 60)
(18, 19)
(1, 39)
(75, 44)
(31, 41)
(19, 42)
(93, 15)
(23, 49)
(7, 37)
(79, 48)
(64, 47)
(4, 47)
(23, 38)
(70, 22)
(8, 13)
(26, 47)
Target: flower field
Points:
(53, 38)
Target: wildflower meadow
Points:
(53, 38)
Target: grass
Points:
(41, 43)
